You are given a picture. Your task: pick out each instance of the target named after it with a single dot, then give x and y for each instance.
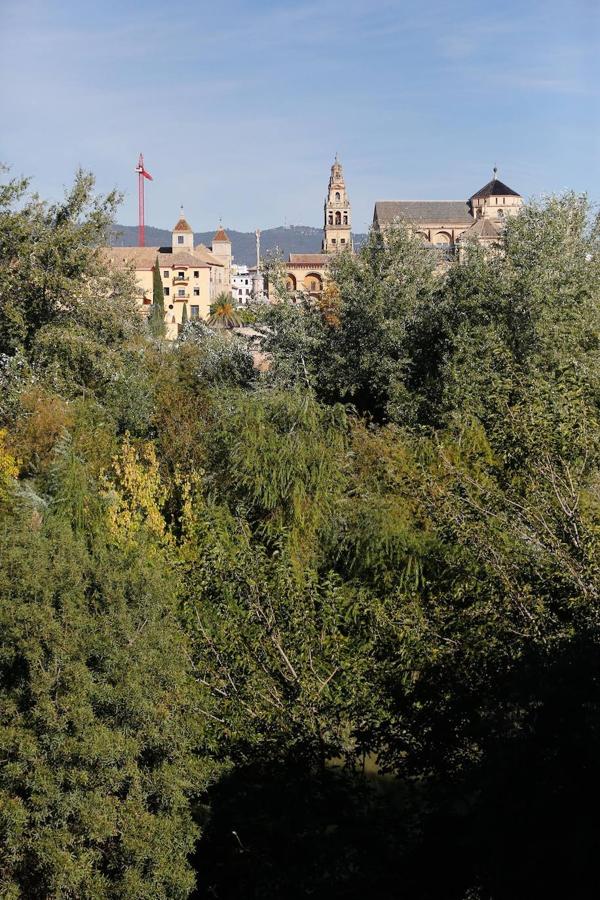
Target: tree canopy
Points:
(325, 630)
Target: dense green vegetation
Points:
(331, 630)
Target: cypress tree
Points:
(157, 316)
(184, 316)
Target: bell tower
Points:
(337, 230)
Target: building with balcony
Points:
(192, 276)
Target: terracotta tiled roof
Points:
(309, 259)
(145, 257)
(221, 235)
(434, 212)
(494, 188)
(183, 225)
(481, 228)
(182, 259)
(207, 255)
(122, 257)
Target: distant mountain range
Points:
(291, 239)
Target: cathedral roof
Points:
(221, 236)
(482, 228)
(309, 259)
(494, 188)
(433, 212)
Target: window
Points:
(180, 239)
(181, 274)
(330, 220)
(337, 195)
(195, 312)
(313, 285)
(166, 273)
(240, 291)
(166, 292)
(338, 218)
(196, 274)
(333, 241)
(345, 218)
(500, 213)
(196, 292)
(181, 292)
(343, 241)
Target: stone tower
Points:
(337, 233)
(221, 248)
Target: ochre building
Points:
(192, 276)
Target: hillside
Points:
(294, 239)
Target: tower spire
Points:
(337, 228)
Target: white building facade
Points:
(241, 285)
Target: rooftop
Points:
(440, 212)
(481, 228)
(145, 257)
(494, 188)
(309, 259)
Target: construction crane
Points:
(141, 175)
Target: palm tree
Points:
(223, 313)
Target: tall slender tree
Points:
(157, 316)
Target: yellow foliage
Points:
(9, 467)
(138, 493)
(329, 305)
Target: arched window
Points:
(331, 218)
(338, 218)
(338, 195)
(313, 283)
(345, 218)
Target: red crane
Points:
(141, 175)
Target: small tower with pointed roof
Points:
(337, 228)
(495, 200)
(221, 248)
(182, 235)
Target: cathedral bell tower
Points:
(337, 234)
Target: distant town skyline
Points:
(239, 110)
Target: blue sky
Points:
(239, 107)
